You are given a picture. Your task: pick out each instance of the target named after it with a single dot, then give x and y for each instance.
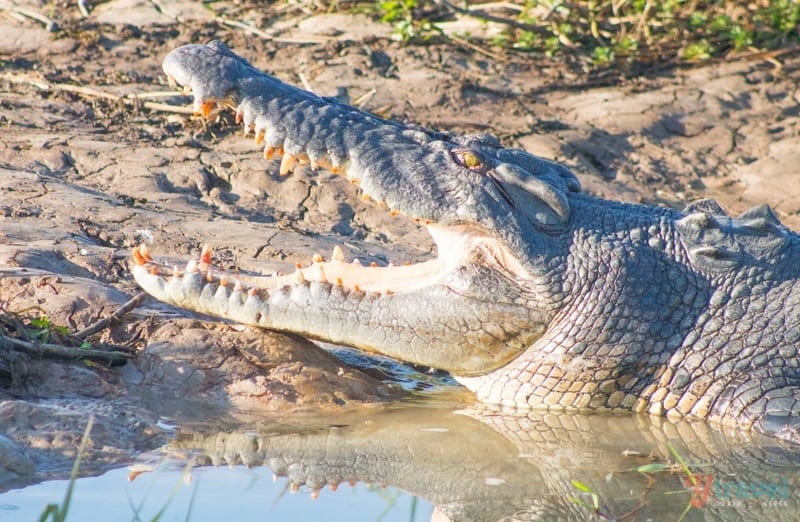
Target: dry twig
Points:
(116, 316)
(65, 352)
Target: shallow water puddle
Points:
(221, 493)
(466, 465)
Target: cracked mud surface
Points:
(85, 174)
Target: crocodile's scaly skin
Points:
(541, 297)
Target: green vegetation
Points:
(56, 512)
(604, 33)
(589, 499)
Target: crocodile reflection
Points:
(476, 466)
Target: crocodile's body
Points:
(541, 297)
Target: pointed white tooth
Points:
(191, 266)
(287, 164)
(338, 254)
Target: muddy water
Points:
(211, 494)
(416, 458)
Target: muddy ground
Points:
(91, 165)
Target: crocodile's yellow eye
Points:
(469, 159)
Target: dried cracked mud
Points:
(95, 158)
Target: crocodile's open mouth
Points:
(457, 245)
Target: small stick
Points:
(116, 316)
(476, 48)
(65, 352)
(94, 93)
(267, 36)
(33, 15)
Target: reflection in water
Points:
(490, 467)
(212, 495)
(470, 466)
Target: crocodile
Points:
(540, 296)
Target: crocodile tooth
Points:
(171, 81)
(339, 282)
(191, 266)
(373, 264)
(303, 159)
(210, 276)
(259, 137)
(321, 269)
(316, 258)
(338, 254)
(274, 478)
(356, 262)
(269, 152)
(394, 213)
(186, 90)
(355, 181)
(294, 487)
(137, 257)
(203, 108)
(299, 277)
(357, 288)
(145, 252)
(175, 271)
(389, 291)
(334, 487)
(365, 197)
(352, 483)
(287, 163)
(315, 494)
(205, 255)
(223, 281)
(237, 286)
(253, 291)
(239, 116)
(154, 271)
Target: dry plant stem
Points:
(116, 316)
(64, 352)
(476, 48)
(481, 15)
(33, 15)
(88, 92)
(257, 32)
